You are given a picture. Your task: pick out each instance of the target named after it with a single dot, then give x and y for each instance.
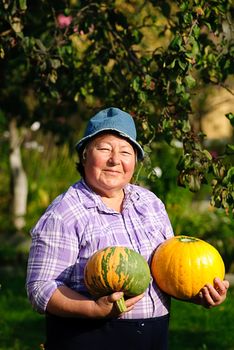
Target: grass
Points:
(191, 327)
(20, 327)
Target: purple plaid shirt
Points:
(77, 224)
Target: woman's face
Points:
(109, 163)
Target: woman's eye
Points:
(105, 149)
(126, 153)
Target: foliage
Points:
(150, 56)
(50, 169)
(54, 175)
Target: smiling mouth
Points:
(112, 171)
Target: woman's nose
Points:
(114, 158)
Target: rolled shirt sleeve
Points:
(52, 256)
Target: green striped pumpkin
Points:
(115, 269)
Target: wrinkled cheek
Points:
(92, 171)
(129, 172)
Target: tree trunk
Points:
(19, 183)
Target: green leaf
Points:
(230, 149)
(67, 11)
(2, 53)
(207, 154)
(53, 76)
(23, 4)
(147, 149)
(185, 97)
(184, 6)
(172, 65)
(188, 18)
(190, 81)
(195, 47)
(194, 183)
(142, 96)
(148, 80)
(16, 24)
(176, 42)
(55, 63)
(76, 97)
(179, 87)
(54, 94)
(83, 91)
(137, 36)
(40, 45)
(230, 176)
(136, 84)
(186, 127)
(196, 31)
(182, 64)
(230, 116)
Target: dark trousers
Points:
(114, 334)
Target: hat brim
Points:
(134, 143)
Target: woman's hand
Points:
(106, 306)
(66, 302)
(210, 296)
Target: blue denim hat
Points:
(112, 120)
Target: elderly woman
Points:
(102, 209)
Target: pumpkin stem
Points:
(121, 304)
(187, 239)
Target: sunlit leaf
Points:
(190, 81)
(23, 4)
(230, 116)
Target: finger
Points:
(208, 297)
(217, 280)
(226, 284)
(114, 297)
(212, 294)
(221, 286)
(132, 301)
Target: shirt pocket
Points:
(151, 237)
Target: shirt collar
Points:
(91, 199)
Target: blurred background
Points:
(169, 64)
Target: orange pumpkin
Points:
(182, 265)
